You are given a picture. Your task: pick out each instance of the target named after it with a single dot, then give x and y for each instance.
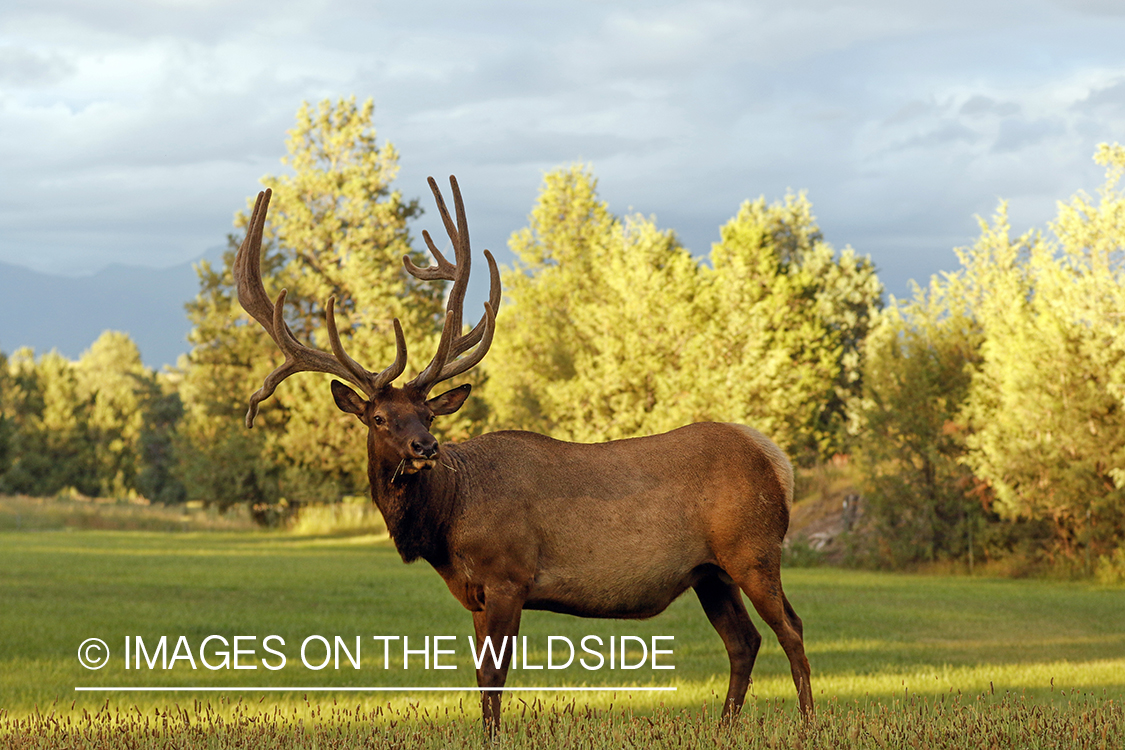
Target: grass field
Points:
(879, 644)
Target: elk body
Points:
(515, 520)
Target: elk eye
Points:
(378, 419)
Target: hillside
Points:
(48, 311)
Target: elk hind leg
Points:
(722, 602)
(762, 583)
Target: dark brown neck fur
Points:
(418, 508)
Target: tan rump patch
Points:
(777, 458)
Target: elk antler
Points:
(298, 357)
(452, 345)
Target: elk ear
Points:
(450, 401)
(347, 399)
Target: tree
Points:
(628, 371)
(595, 307)
(552, 283)
(220, 461)
(614, 330)
(76, 425)
(1045, 411)
(7, 421)
(786, 319)
(49, 443)
(336, 228)
(108, 376)
(922, 500)
(157, 457)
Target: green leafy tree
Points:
(785, 321)
(81, 425)
(69, 452)
(627, 374)
(336, 228)
(157, 456)
(993, 403)
(219, 460)
(108, 376)
(614, 330)
(586, 348)
(49, 446)
(7, 421)
(553, 282)
(1045, 412)
(923, 503)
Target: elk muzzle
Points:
(422, 455)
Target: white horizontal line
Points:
(323, 689)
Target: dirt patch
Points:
(829, 506)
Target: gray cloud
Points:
(138, 129)
(1111, 96)
(1017, 134)
(27, 68)
(946, 134)
(1095, 7)
(980, 105)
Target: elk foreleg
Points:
(499, 619)
(724, 607)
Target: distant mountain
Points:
(46, 311)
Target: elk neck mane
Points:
(418, 508)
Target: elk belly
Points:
(631, 594)
(635, 570)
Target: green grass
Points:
(872, 638)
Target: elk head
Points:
(398, 419)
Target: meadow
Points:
(1013, 663)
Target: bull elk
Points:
(515, 520)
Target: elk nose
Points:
(424, 449)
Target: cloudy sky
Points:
(130, 132)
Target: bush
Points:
(798, 553)
(351, 516)
(1111, 568)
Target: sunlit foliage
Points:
(1000, 389)
(336, 229)
(79, 426)
(1045, 412)
(614, 329)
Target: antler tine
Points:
(298, 357)
(487, 327)
(443, 270)
(473, 337)
(248, 267)
(373, 382)
(455, 308)
(450, 229)
(452, 344)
